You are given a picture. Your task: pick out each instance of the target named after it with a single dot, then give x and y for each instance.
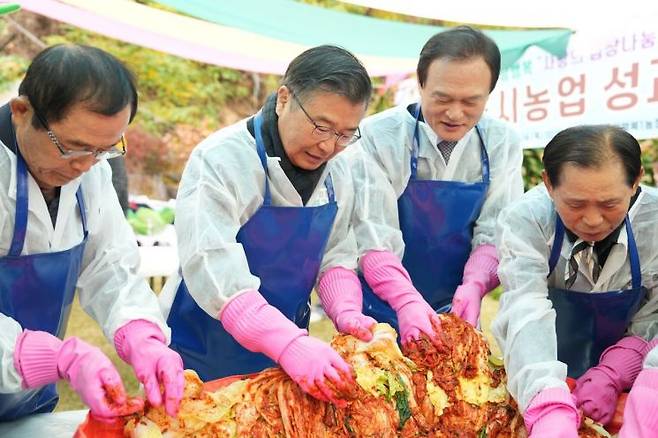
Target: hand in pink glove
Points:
(552, 414)
(641, 411)
(141, 344)
(391, 282)
(41, 358)
(480, 276)
(262, 328)
(598, 389)
(415, 316)
(309, 362)
(466, 303)
(340, 292)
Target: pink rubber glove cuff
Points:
(41, 358)
(481, 269)
(552, 413)
(391, 282)
(598, 389)
(35, 358)
(480, 276)
(624, 359)
(341, 296)
(262, 328)
(388, 279)
(258, 326)
(133, 333)
(141, 344)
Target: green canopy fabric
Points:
(309, 25)
(7, 8)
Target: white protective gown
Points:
(223, 185)
(387, 142)
(651, 361)
(109, 289)
(525, 324)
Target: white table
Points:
(54, 425)
(157, 261)
(158, 256)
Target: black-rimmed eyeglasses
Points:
(323, 133)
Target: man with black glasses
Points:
(62, 229)
(262, 212)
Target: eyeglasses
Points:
(324, 132)
(117, 150)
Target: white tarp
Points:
(578, 14)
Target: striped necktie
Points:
(446, 147)
(585, 252)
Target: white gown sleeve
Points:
(10, 329)
(643, 217)
(651, 360)
(110, 290)
(215, 190)
(525, 324)
(341, 249)
(375, 218)
(506, 184)
(10, 380)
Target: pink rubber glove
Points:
(480, 276)
(142, 344)
(598, 389)
(262, 328)
(552, 414)
(41, 358)
(340, 292)
(641, 411)
(391, 282)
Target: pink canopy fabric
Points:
(189, 37)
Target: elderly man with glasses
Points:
(62, 229)
(263, 212)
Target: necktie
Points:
(446, 147)
(584, 252)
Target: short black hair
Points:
(590, 146)
(331, 69)
(459, 43)
(64, 75)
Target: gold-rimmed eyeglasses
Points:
(117, 150)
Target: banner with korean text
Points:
(609, 78)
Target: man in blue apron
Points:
(261, 211)
(432, 179)
(62, 228)
(579, 268)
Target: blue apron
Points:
(587, 323)
(284, 248)
(436, 220)
(36, 290)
